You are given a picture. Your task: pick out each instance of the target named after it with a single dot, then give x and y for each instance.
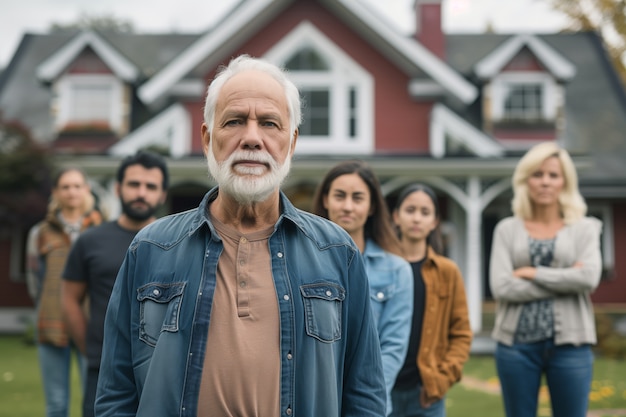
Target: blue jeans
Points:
(406, 403)
(568, 371)
(55, 363)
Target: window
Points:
(315, 113)
(523, 102)
(88, 101)
(524, 96)
(337, 93)
(604, 212)
(91, 102)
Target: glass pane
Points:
(524, 101)
(315, 113)
(307, 59)
(91, 102)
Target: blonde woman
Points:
(545, 262)
(71, 210)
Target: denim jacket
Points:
(157, 321)
(391, 295)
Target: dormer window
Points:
(89, 102)
(524, 97)
(523, 101)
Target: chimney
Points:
(428, 29)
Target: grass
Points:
(21, 393)
(608, 390)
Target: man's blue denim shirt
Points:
(158, 317)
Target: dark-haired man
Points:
(95, 258)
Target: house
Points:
(454, 111)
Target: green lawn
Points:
(21, 393)
(608, 390)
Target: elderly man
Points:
(245, 306)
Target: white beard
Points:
(248, 185)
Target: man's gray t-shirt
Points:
(96, 258)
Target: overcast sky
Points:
(187, 16)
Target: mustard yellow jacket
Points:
(446, 332)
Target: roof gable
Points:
(52, 67)
(252, 14)
(495, 62)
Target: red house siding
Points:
(525, 61)
(613, 288)
(13, 294)
(401, 124)
(88, 63)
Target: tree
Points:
(607, 18)
(24, 176)
(101, 22)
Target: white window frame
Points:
(65, 99)
(502, 82)
(343, 75)
(608, 247)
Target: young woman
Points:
(440, 337)
(545, 262)
(350, 196)
(71, 210)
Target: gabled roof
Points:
(52, 67)
(170, 129)
(250, 15)
(493, 63)
(595, 99)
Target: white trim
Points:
(344, 73)
(249, 11)
(608, 246)
(171, 128)
(444, 123)
(116, 113)
(493, 63)
(419, 88)
(53, 67)
(152, 90)
(551, 93)
(416, 53)
(189, 88)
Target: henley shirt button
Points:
(380, 295)
(242, 284)
(286, 297)
(288, 411)
(279, 254)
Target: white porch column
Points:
(473, 249)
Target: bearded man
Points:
(244, 306)
(96, 257)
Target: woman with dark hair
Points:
(70, 211)
(545, 263)
(350, 196)
(440, 338)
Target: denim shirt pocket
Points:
(322, 308)
(382, 293)
(159, 308)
